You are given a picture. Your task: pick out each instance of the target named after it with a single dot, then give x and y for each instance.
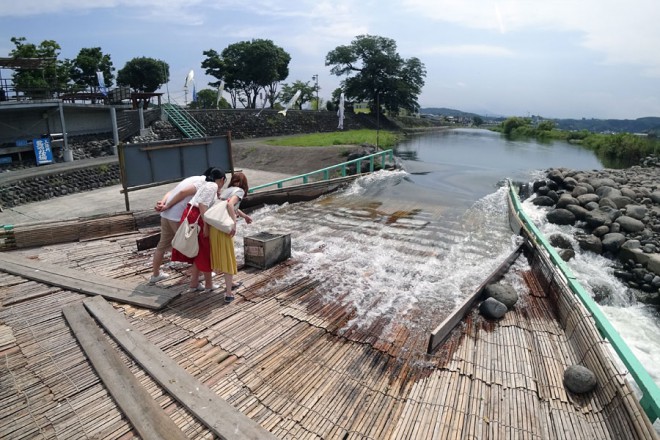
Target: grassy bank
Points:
(384, 139)
(617, 150)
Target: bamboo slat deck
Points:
(286, 356)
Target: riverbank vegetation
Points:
(384, 139)
(614, 150)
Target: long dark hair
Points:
(215, 174)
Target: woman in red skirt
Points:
(201, 201)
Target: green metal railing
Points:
(650, 400)
(184, 121)
(342, 167)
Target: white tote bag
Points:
(218, 217)
(185, 239)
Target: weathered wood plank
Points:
(147, 417)
(143, 295)
(220, 417)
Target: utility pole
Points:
(316, 81)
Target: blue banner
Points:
(42, 151)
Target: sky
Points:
(556, 58)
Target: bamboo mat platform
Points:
(289, 358)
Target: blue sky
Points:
(559, 58)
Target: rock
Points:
(543, 201)
(636, 211)
(590, 243)
(504, 293)
(578, 211)
(597, 218)
(629, 224)
(588, 198)
(612, 242)
(492, 308)
(560, 241)
(579, 379)
(566, 254)
(561, 217)
(565, 200)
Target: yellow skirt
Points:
(223, 259)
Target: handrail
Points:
(178, 111)
(650, 400)
(383, 155)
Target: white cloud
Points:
(468, 49)
(623, 32)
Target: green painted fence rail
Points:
(387, 155)
(650, 400)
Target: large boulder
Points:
(561, 217)
(613, 241)
(492, 308)
(590, 243)
(629, 224)
(504, 293)
(579, 379)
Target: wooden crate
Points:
(265, 250)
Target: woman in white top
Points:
(223, 258)
(200, 202)
(178, 199)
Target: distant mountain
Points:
(640, 125)
(447, 112)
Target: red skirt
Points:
(203, 258)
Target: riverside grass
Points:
(386, 139)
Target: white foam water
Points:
(637, 323)
(382, 268)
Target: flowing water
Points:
(412, 244)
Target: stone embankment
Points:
(617, 213)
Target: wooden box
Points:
(265, 250)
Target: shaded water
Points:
(411, 245)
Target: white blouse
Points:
(205, 195)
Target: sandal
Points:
(229, 299)
(197, 288)
(236, 285)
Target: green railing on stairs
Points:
(650, 400)
(184, 121)
(342, 168)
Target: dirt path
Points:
(288, 160)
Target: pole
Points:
(377, 117)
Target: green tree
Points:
(207, 98)
(247, 68)
(477, 121)
(512, 123)
(307, 93)
(380, 75)
(50, 77)
(144, 74)
(546, 125)
(87, 63)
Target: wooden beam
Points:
(442, 331)
(219, 416)
(139, 294)
(146, 416)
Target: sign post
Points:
(42, 151)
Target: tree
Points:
(248, 67)
(380, 75)
(144, 74)
(477, 121)
(52, 76)
(207, 98)
(307, 92)
(87, 63)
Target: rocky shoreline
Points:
(617, 215)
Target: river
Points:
(412, 244)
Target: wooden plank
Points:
(220, 417)
(146, 416)
(143, 295)
(442, 331)
(148, 242)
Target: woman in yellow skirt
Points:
(223, 258)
